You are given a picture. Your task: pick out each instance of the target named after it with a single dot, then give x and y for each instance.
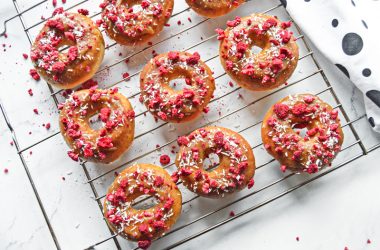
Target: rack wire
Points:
(91, 180)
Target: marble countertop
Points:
(47, 202)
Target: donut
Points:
(214, 8)
(172, 105)
(103, 145)
(296, 152)
(132, 22)
(236, 162)
(270, 67)
(68, 68)
(142, 225)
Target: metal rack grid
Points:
(349, 124)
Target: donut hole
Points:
(211, 161)
(177, 84)
(258, 43)
(301, 129)
(65, 44)
(94, 122)
(144, 202)
(256, 49)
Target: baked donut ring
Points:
(103, 145)
(236, 162)
(214, 8)
(172, 105)
(131, 22)
(137, 224)
(80, 61)
(309, 153)
(265, 70)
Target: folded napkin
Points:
(338, 28)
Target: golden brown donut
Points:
(75, 65)
(265, 70)
(131, 22)
(236, 162)
(309, 153)
(214, 8)
(107, 143)
(171, 105)
(142, 225)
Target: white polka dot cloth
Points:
(347, 33)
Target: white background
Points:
(340, 209)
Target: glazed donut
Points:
(265, 70)
(131, 22)
(106, 144)
(172, 105)
(236, 162)
(309, 153)
(148, 224)
(214, 8)
(79, 62)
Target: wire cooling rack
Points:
(179, 234)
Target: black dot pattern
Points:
(334, 23)
(365, 24)
(366, 72)
(343, 69)
(352, 44)
(374, 95)
(371, 121)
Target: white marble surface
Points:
(338, 210)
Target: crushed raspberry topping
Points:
(111, 114)
(45, 53)
(223, 144)
(164, 159)
(33, 73)
(237, 39)
(281, 110)
(168, 105)
(143, 224)
(134, 20)
(298, 112)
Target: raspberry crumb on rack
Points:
(175, 177)
(164, 159)
(6, 170)
(25, 56)
(33, 73)
(251, 183)
(73, 156)
(144, 244)
(30, 92)
(369, 241)
(48, 125)
(83, 12)
(283, 168)
(297, 238)
(126, 76)
(232, 213)
(35, 111)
